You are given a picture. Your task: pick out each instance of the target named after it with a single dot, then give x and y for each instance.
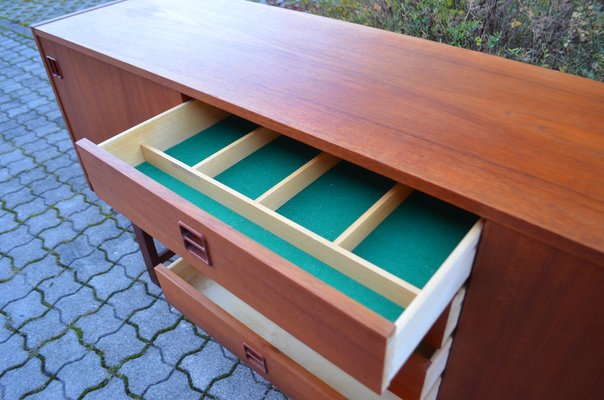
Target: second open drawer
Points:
(353, 265)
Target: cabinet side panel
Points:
(531, 326)
(99, 100)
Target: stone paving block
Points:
(243, 384)
(13, 289)
(31, 176)
(60, 234)
(12, 157)
(91, 265)
(130, 300)
(30, 208)
(120, 345)
(54, 390)
(48, 219)
(110, 282)
(27, 253)
(82, 374)
(77, 304)
(10, 186)
(134, 264)
(176, 387)
(59, 352)
(28, 307)
(20, 381)
(152, 288)
(24, 164)
(45, 155)
(12, 239)
(43, 185)
(124, 244)
(54, 196)
(38, 271)
(11, 200)
(7, 221)
(60, 286)
(87, 217)
(69, 173)
(205, 366)
(175, 343)
(100, 233)
(101, 323)
(71, 251)
(154, 371)
(12, 353)
(43, 328)
(58, 163)
(152, 320)
(114, 390)
(71, 205)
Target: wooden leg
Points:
(149, 252)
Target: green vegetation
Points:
(565, 35)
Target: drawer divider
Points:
(235, 152)
(297, 181)
(388, 285)
(373, 217)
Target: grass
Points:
(566, 35)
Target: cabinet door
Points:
(99, 100)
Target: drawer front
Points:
(260, 355)
(345, 332)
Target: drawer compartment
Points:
(362, 294)
(202, 304)
(203, 301)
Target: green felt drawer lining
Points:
(411, 243)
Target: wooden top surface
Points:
(517, 144)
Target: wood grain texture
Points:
(99, 100)
(514, 143)
(343, 331)
(284, 373)
(531, 326)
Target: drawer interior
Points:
(394, 250)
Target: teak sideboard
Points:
(359, 214)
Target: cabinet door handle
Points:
(53, 66)
(195, 243)
(255, 359)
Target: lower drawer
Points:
(278, 355)
(199, 304)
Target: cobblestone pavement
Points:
(78, 316)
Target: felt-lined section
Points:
(341, 282)
(334, 201)
(267, 166)
(211, 140)
(416, 238)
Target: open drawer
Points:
(203, 301)
(355, 266)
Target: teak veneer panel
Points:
(514, 143)
(531, 326)
(99, 100)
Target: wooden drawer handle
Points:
(195, 243)
(255, 359)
